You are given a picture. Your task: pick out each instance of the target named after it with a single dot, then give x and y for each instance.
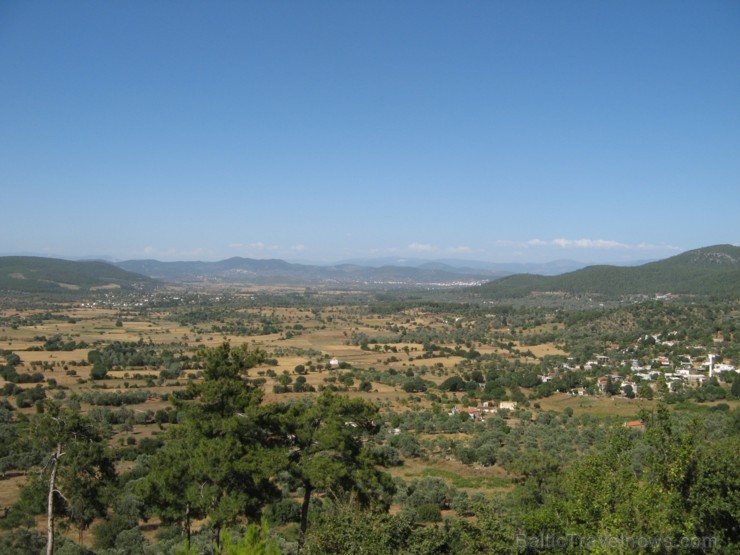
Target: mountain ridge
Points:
(708, 270)
(249, 270)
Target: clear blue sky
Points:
(327, 130)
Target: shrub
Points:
(283, 512)
(429, 513)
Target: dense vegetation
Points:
(225, 422)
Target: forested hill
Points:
(33, 274)
(707, 271)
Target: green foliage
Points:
(735, 390)
(341, 530)
(27, 397)
(113, 398)
(256, 541)
(22, 541)
(684, 488)
(217, 462)
(283, 511)
(326, 451)
(428, 512)
(453, 383)
(75, 473)
(98, 373)
(119, 527)
(56, 343)
(408, 444)
(428, 492)
(415, 385)
(714, 494)
(128, 354)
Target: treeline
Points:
(137, 354)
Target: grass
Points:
(470, 482)
(596, 406)
(455, 473)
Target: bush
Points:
(429, 491)
(429, 513)
(454, 383)
(407, 443)
(149, 445)
(22, 540)
(98, 373)
(283, 512)
(36, 377)
(27, 397)
(415, 385)
(387, 456)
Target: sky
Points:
(503, 131)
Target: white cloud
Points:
(422, 247)
(197, 253)
(596, 244)
(256, 245)
(588, 244)
(648, 247)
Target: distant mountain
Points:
(34, 274)
(707, 271)
(476, 267)
(248, 270)
(711, 270)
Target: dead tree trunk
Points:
(50, 501)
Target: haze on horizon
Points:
(325, 131)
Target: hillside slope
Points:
(707, 271)
(33, 274)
